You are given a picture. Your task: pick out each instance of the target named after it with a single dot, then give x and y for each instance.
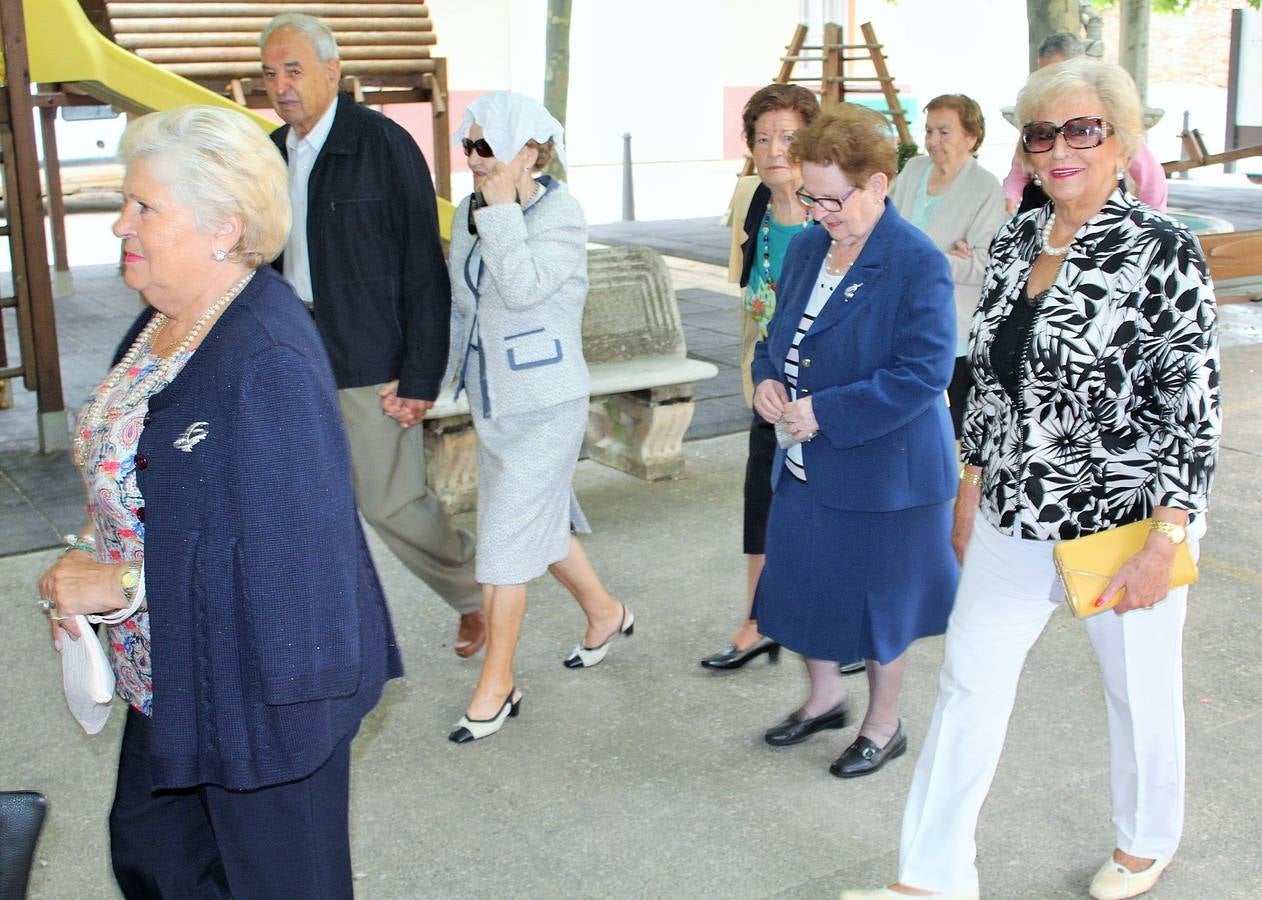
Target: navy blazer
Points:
(270, 633)
(877, 362)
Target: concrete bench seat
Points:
(607, 378)
(642, 392)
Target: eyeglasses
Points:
(1081, 133)
(828, 204)
(480, 146)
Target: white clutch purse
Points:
(86, 677)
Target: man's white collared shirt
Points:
(302, 153)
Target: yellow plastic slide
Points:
(64, 47)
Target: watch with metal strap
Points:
(1176, 533)
(129, 580)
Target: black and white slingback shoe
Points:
(469, 730)
(586, 657)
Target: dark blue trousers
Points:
(284, 841)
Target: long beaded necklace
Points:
(1046, 237)
(96, 413)
(766, 244)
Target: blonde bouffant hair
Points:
(1111, 84)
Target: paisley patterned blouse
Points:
(116, 508)
(1119, 406)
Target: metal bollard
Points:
(1183, 154)
(628, 186)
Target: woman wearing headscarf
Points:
(519, 282)
(248, 633)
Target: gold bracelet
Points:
(973, 478)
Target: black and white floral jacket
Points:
(1119, 408)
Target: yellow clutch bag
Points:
(1087, 564)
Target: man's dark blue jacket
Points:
(270, 633)
(382, 298)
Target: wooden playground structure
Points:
(838, 79)
(146, 55)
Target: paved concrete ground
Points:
(646, 777)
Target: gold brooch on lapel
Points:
(193, 434)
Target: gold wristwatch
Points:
(129, 580)
(1176, 533)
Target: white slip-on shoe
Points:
(1116, 882)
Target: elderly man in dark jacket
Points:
(364, 254)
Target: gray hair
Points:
(1111, 84)
(218, 164)
(315, 31)
(1062, 43)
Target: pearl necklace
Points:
(1047, 239)
(840, 270)
(766, 244)
(96, 413)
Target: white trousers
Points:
(1008, 589)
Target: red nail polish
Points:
(1099, 601)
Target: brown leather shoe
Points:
(471, 634)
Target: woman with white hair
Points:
(1097, 404)
(519, 282)
(248, 633)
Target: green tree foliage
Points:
(1166, 6)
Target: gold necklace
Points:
(96, 413)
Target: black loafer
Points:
(864, 757)
(797, 727)
(853, 668)
(731, 658)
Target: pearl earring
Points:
(1038, 182)
(220, 255)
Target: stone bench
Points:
(642, 395)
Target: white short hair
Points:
(219, 164)
(321, 38)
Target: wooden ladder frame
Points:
(834, 83)
(32, 300)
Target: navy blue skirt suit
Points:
(859, 559)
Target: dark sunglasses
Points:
(1081, 133)
(480, 146)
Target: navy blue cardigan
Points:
(270, 633)
(877, 361)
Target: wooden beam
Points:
(441, 130)
(32, 285)
(52, 177)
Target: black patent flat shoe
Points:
(853, 668)
(863, 757)
(731, 658)
(797, 728)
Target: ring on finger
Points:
(47, 605)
